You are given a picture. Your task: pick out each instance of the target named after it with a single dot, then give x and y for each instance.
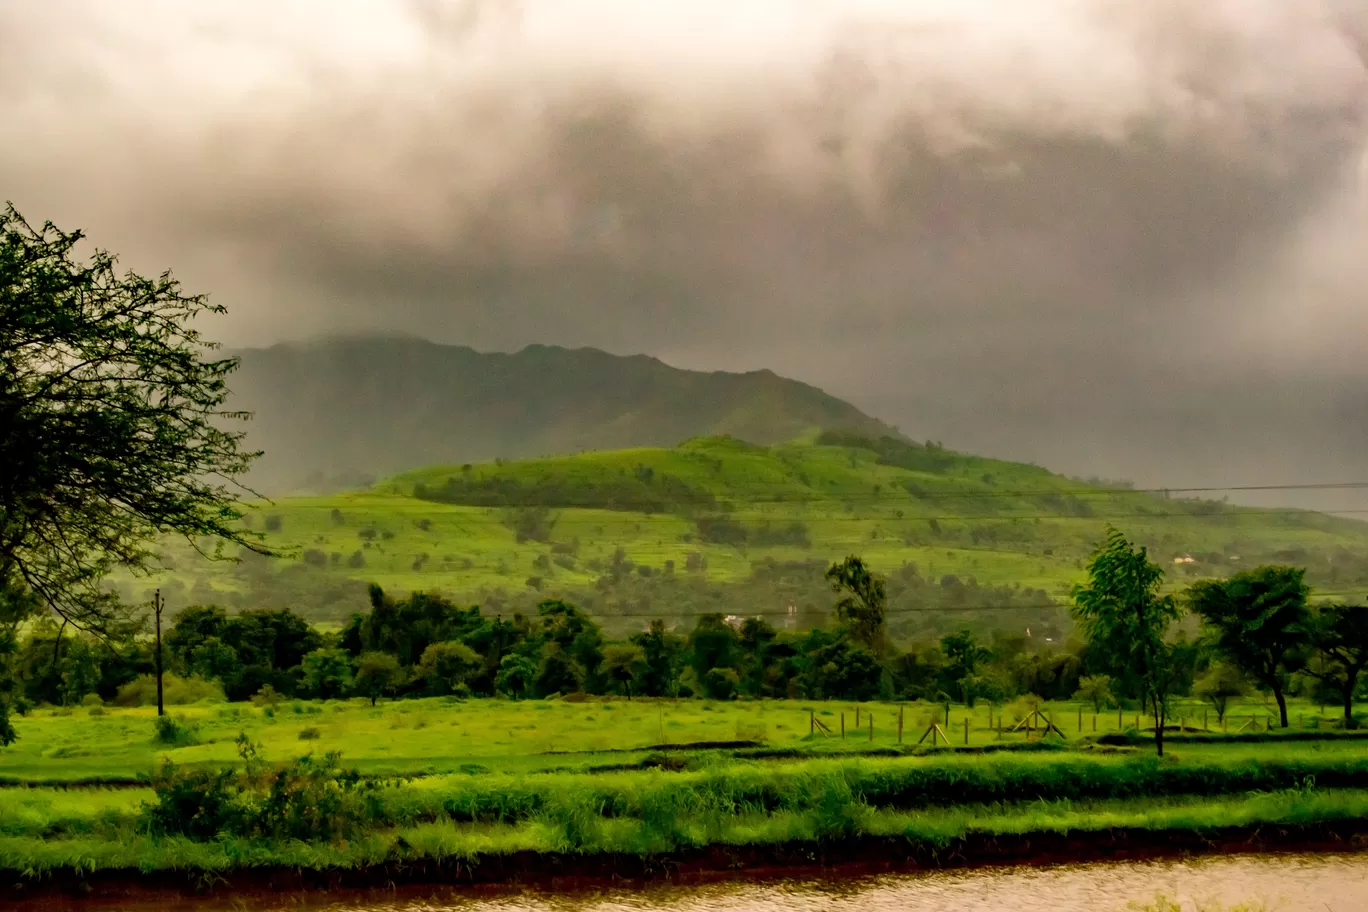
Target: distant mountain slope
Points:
(715, 524)
(341, 411)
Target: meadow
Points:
(450, 781)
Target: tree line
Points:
(1259, 632)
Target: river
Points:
(1290, 882)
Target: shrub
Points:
(92, 700)
(266, 696)
(308, 734)
(177, 691)
(171, 733)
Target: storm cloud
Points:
(1112, 237)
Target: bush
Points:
(171, 733)
(92, 700)
(177, 691)
(266, 696)
(308, 734)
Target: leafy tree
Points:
(215, 660)
(113, 430)
(720, 683)
(80, 670)
(517, 676)
(713, 643)
(1260, 622)
(327, 673)
(1126, 619)
(662, 653)
(964, 654)
(1221, 683)
(378, 674)
(577, 636)
(1095, 689)
(1340, 636)
(558, 671)
(445, 667)
(863, 605)
(624, 663)
(844, 670)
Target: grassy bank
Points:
(1145, 826)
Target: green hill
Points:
(337, 413)
(717, 524)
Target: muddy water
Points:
(1320, 882)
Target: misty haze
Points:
(1118, 240)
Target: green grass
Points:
(435, 735)
(559, 831)
(1000, 523)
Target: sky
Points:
(1117, 238)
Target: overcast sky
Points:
(1114, 237)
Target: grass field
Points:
(998, 523)
(482, 778)
(437, 735)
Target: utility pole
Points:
(157, 606)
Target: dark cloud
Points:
(1121, 239)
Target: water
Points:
(1294, 883)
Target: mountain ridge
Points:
(341, 411)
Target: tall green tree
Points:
(623, 663)
(663, 653)
(1260, 622)
(964, 655)
(1340, 636)
(1126, 620)
(863, 603)
(114, 430)
(378, 674)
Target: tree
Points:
(1260, 623)
(713, 643)
(445, 667)
(1221, 683)
(378, 674)
(1340, 636)
(1095, 689)
(1126, 619)
(964, 654)
(327, 673)
(624, 663)
(662, 651)
(862, 607)
(517, 676)
(113, 430)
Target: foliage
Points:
(378, 674)
(327, 673)
(1260, 623)
(445, 667)
(1221, 683)
(1095, 689)
(112, 423)
(173, 733)
(623, 664)
(1340, 635)
(862, 604)
(1126, 619)
(177, 691)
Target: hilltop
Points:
(342, 412)
(720, 524)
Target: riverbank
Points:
(611, 851)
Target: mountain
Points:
(341, 412)
(716, 524)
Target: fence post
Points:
(1094, 723)
(947, 713)
(857, 715)
(812, 725)
(1080, 720)
(871, 727)
(966, 731)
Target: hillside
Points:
(336, 413)
(717, 524)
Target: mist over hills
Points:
(341, 412)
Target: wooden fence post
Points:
(1094, 723)
(1080, 720)
(857, 715)
(966, 731)
(871, 727)
(812, 723)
